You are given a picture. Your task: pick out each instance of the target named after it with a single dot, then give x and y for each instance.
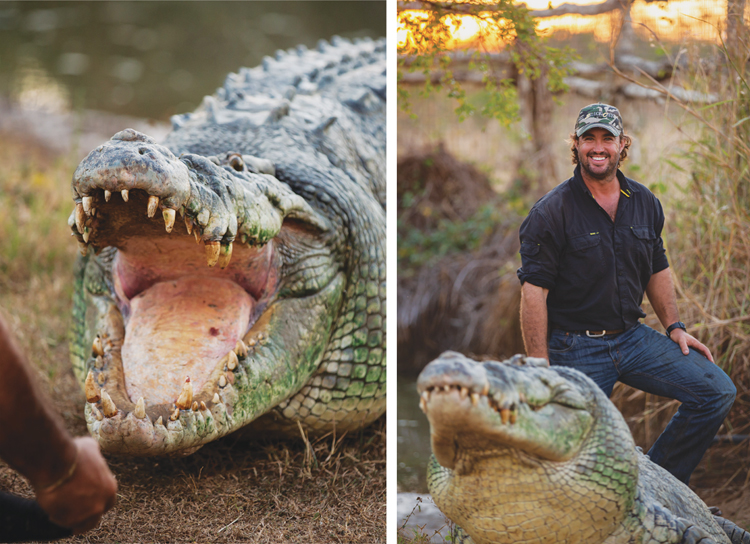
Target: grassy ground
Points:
(330, 490)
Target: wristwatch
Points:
(673, 326)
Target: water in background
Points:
(155, 59)
(413, 435)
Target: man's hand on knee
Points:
(686, 341)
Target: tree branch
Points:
(471, 8)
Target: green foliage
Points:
(419, 247)
(504, 24)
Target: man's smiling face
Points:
(599, 153)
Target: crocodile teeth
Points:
(222, 381)
(216, 399)
(92, 391)
(422, 405)
(426, 396)
(153, 203)
(203, 406)
(486, 389)
(175, 415)
(232, 360)
(225, 255)
(188, 225)
(464, 392)
(125, 194)
(447, 388)
(194, 407)
(197, 236)
(107, 195)
(513, 417)
(203, 217)
(97, 414)
(140, 409)
(240, 349)
(168, 215)
(212, 253)
(504, 415)
(86, 234)
(88, 204)
(159, 422)
(80, 217)
(97, 348)
(108, 405)
(100, 379)
(475, 399)
(186, 395)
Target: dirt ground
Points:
(332, 489)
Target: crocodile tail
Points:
(736, 534)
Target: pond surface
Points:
(155, 59)
(413, 438)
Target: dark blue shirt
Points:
(596, 270)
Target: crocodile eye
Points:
(236, 162)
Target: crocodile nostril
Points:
(142, 150)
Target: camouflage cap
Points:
(599, 115)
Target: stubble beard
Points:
(612, 165)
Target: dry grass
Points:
(330, 490)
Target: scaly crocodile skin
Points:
(281, 172)
(525, 453)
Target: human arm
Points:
(661, 295)
(70, 477)
(534, 320)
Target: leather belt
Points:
(598, 334)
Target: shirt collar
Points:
(626, 188)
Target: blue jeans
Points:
(649, 361)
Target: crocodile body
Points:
(277, 316)
(527, 453)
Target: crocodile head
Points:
(523, 450)
(182, 343)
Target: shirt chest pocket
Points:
(584, 257)
(642, 239)
(584, 242)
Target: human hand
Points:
(80, 502)
(686, 341)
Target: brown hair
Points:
(573, 139)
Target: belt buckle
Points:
(588, 333)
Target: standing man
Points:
(590, 248)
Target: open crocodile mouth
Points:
(172, 296)
(178, 319)
(495, 406)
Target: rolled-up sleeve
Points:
(540, 250)
(659, 260)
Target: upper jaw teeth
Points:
(506, 407)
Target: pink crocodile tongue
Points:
(181, 328)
